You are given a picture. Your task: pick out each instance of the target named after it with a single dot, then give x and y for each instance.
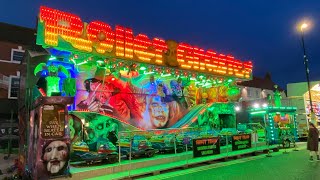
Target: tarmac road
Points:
(292, 166)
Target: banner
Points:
(242, 141)
(206, 146)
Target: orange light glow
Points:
(122, 43)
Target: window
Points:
(4, 81)
(257, 93)
(14, 85)
(17, 55)
(249, 92)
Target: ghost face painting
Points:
(158, 112)
(56, 156)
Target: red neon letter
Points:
(210, 61)
(231, 65)
(185, 55)
(142, 48)
(124, 42)
(198, 59)
(247, 69)
(67, 25)
(129, 43)
(222, 67)
(102, 34)
(120, 36)
(160, 46)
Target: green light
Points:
(52, 58)
(100, 61)
(74, 62)
(258, 112)
(208, 85)
(84, 62)
(52, 84)
(229, 80)
(148, 72)
(142, 68)
(233, 91)
(165, 75)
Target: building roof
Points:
(262, 83)
(17, 34)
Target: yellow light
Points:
(304, 26)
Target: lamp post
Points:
(305, 58)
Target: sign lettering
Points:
(206, 146)
(52, 123)
(99, 37)
(241, 141)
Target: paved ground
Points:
(292, 166)
(4, 164)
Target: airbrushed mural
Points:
(145, 101)
(92, 82)
(93, 127)
(136, 80)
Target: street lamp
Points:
(303, 27)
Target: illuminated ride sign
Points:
(66, 31)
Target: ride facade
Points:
(89, 82)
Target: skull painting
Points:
(100, 127)
(170, 56)
(97, 129)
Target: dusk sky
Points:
(261, 31)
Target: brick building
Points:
(256, 91)
(13, 42)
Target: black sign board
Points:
(206, 146)
(53, 121)
(241, 141)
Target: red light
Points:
(101, 33)
(142, 49)
(122, 43)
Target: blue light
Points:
(59, 53)
(70, 67)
